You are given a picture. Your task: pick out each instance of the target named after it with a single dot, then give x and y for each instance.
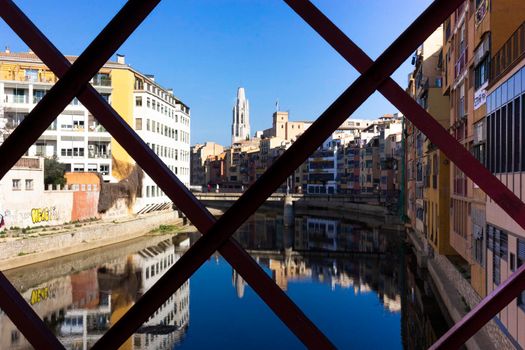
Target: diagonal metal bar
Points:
(73, 81)
(25, 318)
(346, 104)
(483, 312)
(278, 301)
(450, 147)
(130, 16)
(458, 154)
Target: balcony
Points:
(461, 63)
(96, 155)
(102, 82)
(102, 79)
(510, 53)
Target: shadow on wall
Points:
(127, 189)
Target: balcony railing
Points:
(510, 53)
(461, 63)
(101, 81)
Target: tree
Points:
(54, 172)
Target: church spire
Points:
(241, 117)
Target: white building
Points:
(75, 137)
(79, 141)
(241, 118)
(163, 122)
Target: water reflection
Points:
(79, 308)
(313, 251)
(350, 278)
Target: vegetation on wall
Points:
(54, 172)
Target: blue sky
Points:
(205, 49)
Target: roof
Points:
(31, 57)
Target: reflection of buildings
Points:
(288, 270)
(49, 300)
(81, 307)
(238, 283)
(283, 252)
(421, 320)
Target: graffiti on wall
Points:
(44, 214)
(3, 216)
(38, 295)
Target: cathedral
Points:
(241, 118)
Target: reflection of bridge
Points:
(278, 254)
(351, 207)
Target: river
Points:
(360, 284)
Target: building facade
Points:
(78, 140)
(199, 154)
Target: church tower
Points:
(241, 118)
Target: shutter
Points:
(521, 249)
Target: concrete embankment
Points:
(456, 294)
(28, 250)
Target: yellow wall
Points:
(505, 17)
(16, 71)
(478, 279)
(122, 82)
(438, 106)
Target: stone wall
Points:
(29, 250)
(442, 266)
(457, 295)
(28, 208)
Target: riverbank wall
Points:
(373, 215)
(456, 294)
(32, 249)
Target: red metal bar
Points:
(20, 313)
(278, 301)
(25, 318)
(440, 137)
(347, 103)
(73, 81)
(483, 312)
(458, 154)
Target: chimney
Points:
(121, 59)
(7, 49)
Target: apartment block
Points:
(78, 140)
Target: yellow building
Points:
(78, 140)
(432, 183)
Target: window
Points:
(104, 169)
(498, 243)
(138, 123)
(77, 168)
(102, 79)
(31, 75)
(106, 97)
(16, 185)
(138, 101)
(19, 96)
(148, 102)
(78, 124)
(38, 95)
(481, 73)
(139, 84)
(521, 261)
(29, 185)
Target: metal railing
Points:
(217, 234)
(508, 54)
